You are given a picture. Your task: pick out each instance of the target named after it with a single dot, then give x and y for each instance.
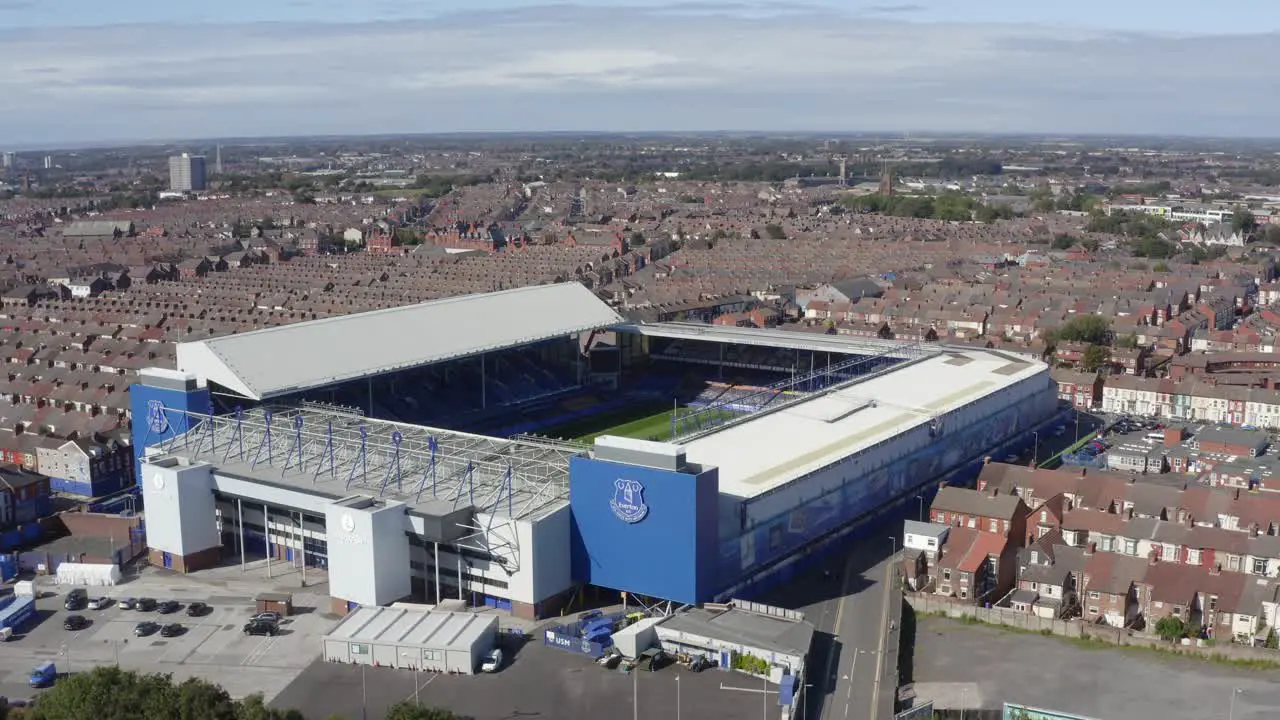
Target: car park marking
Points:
(261, 650)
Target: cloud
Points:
(903, 9)
(567, 68)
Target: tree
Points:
(1063, 241)
(109, 693)
(1171, 628)
(1095, 356)
(775, 232)
(1091, 329)
(1243, 221)
(405, 710)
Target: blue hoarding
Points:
(159, 414)
(644, 530)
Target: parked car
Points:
(261, 627)
(169, 607)
(273, 617)
(172, 630)
(197, 609)
(145, 628)
(43, 675)
(699, 664)
(75, 622)
(77, 599)
(127, 603)
(100, 603)
(492, 661)
(145, 605)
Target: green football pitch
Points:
(641, 421)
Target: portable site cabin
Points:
(433, 641)
(88, 574)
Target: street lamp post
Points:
(364, 694)
(1035, 449)
(677, 697)
(921, 499)
(417, 678)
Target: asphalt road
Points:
(853, 661)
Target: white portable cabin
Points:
(88, 574)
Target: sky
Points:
(139, 70)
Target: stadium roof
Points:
(764, 452)
(278, 361)
(775, 337)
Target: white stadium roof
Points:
(281, 360)
(768, 450)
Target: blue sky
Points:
(144, 69)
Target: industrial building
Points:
(734, 503)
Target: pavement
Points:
(961, 665)
(213, 646)
(537, 682)
(853, 662)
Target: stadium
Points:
(523, 448)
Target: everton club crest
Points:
(628, 501)
(157, 420)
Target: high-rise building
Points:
(48, 162)
(186, 172)
(7, 159)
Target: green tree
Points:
(1095, 356)
(406, 710)
(1091, 329)
(1063, 241)
(1171, 628)
(1243, 221)
(775, 232)
(109, 693)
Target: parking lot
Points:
(960, 664)
(539, 682)
(212, 647)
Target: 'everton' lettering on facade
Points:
(628, 501)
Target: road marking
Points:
(884, 636)
(835, 629)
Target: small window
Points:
(1259, 566)
(1213, 603)
(1094, 595)
(1044, 516)
(1093, 610)
(946, 573)
(1034, 586)
(964, 593)
(995, 526)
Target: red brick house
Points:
(1083, 390)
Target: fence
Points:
(1072, 456)
(1007, 617)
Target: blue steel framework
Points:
(794, 389)
(504, 479)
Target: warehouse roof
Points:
(433, 629)
(97, 228)
(278, 361)
(770, 633)
(766, 451)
